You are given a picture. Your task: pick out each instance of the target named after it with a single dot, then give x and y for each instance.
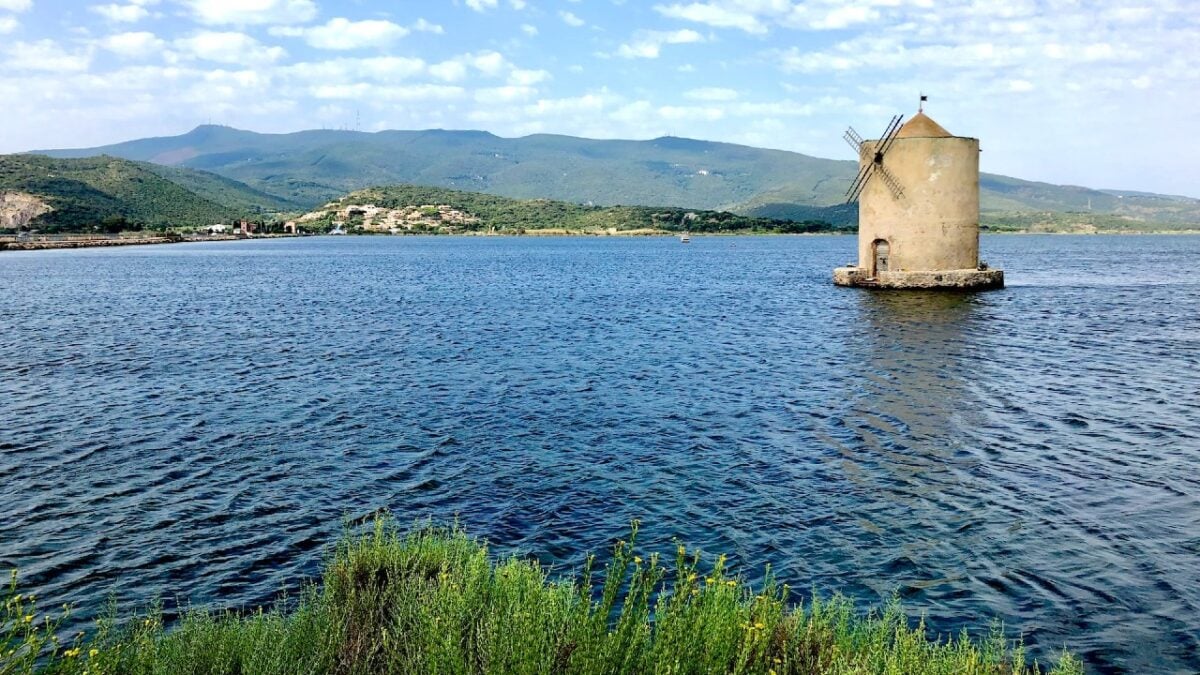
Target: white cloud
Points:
(486, 63)
(424, 26)
(45, 55)
(529, 29)
(717, 15)
(648, 43)
(838, 17)
(1020, 85)
(135, 45)
(570, 19)
(711, 94)
(244, 12)
(527, 77)
(517, 4)
(756, 16)
(449, 71)
(344, 34)
(8, 24)
(482, 5)
(16, 5)
(381, 69)
(228, 47)
(129, 13)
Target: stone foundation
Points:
(977, 280)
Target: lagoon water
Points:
(195, 420)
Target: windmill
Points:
(875, 166)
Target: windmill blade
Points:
(890, 181)
(860, 181)
(854, 140)
(889, 136)
(881, 146)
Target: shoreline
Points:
(60, 244)
(99, 242)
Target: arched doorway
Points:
(880, 256)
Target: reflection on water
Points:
(1027, 454)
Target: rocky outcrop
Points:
(374, 218)
(18, 209)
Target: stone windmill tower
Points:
(918, 210)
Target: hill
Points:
(418, 209)
(82, 194)
(319, 165)
(311, 167)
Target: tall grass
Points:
(433, 600)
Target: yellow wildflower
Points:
(28, 618)
(71, 653)
(93, 652)
(637, 560)
(731, 582)
(771, 672)
(759, 625)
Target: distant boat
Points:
(684, 238)
(337, 230)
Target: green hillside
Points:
(311, 167)
(319, 165)
(224, 191)
(119, 194)
(505, 215)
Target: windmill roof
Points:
(922, 126)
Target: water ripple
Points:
(195, 421)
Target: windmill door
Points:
(882, 255)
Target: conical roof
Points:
(922, 126)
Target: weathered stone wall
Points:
(935, 224)
(963, 279)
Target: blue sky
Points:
(1104, 94)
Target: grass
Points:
(433, 600)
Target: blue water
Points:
(195, 420)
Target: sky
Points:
(1102, 94)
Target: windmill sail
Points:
(868, 168)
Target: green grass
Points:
(433, 600)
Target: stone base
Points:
(973, 280)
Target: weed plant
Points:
(432, 600)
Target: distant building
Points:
(219, 228)
(918, 212)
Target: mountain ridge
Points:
(310, 167)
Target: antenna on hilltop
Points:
(357, 120)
